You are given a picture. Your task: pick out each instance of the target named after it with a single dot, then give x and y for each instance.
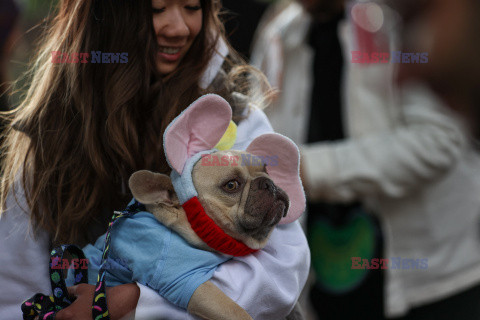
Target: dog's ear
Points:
(198, 128)
(152, 188)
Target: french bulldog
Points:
(241, 195)
(242, 200)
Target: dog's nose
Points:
(265, 184)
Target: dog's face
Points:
(234, 189)
(237, 193)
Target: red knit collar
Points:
(211, 233)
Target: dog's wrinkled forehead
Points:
(190, 140)
(216, 169)
(229, 161)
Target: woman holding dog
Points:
(83, 129)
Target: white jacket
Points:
(267, 284)
(408, 158)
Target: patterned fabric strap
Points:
(45, 307)
(99, 305)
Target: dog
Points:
(242, 200)
(223, 201)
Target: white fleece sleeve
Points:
(23, 259)
(425, 145)
(268, 283)
(253, 126)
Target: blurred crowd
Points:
(390, 159)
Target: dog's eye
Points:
(231, 186)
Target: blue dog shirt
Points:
(145, 251)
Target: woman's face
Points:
(177, 24)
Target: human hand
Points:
(121, 301)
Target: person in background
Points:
(455, 69)
(241, 21)
(407, 156)
(300, 50)
(83, 128)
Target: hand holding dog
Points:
(122, 301)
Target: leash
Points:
(99, 306)
(46, 307)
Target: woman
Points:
(83, 128)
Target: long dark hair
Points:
(82, 128)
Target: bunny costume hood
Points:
(196, 132)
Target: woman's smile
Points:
(169, 54)
(176, 24)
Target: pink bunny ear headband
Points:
(195, 132)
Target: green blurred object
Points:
(334, 247)
(38, 9)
